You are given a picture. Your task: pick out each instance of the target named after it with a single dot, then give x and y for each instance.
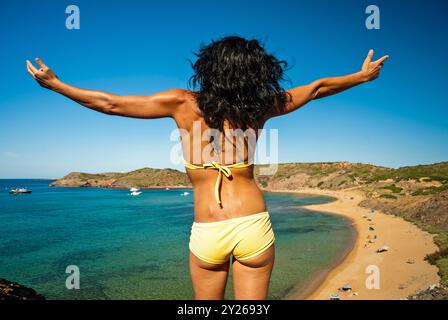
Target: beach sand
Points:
(402, 270)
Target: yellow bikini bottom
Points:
(243, 237)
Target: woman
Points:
(238, 89)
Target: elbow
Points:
(316, 89)
(111, 110)
(109, 104)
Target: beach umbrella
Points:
(347, 287)
(335, 296)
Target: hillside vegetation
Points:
(143, 178)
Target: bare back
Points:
(240, 195)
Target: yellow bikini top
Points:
(222, 170)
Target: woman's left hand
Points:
(44, 75)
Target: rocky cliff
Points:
(14, 291)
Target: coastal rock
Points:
(433, 292)
(14, 291)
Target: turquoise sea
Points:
(137, 247)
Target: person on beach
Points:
(238, 90)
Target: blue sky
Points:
(142, 47)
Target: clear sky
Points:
(142, 47)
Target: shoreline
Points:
(402, 270)
(121, 187)
(304, 290)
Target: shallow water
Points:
(137, 247)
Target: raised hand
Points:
(44, 76)
(371, 69)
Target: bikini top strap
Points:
(216, 165)
(192, 166)
(222, 170)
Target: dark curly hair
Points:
(239, 82)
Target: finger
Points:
(30, 72)
(381, 60)
(30, 65)
(368, 58)
(41, 63)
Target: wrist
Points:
(56, 85)
(363, 76)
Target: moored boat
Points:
(19, 191)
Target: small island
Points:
(142, 178)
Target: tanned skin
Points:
(240, 195)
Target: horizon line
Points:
(166, 168)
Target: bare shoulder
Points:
(187, 107)
(171, 96)
(187, 98)
(176, 96)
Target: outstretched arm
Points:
(329, 86)
(164, 104)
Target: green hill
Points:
(143, 178)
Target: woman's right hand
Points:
(44, 75)
(371, 70)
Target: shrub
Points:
(388, 196)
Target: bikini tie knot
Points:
(222, 170)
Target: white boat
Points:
(167, 188)
(136, 193)
(185, 193)
(19, 191)
(133, 189)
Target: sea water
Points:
(136, 247)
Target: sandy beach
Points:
(402, 269)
